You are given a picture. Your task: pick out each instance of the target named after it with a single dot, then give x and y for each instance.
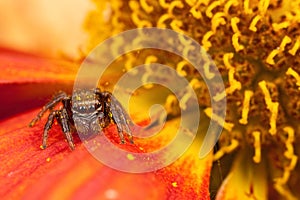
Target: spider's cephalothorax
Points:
(88, 110)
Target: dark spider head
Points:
(87, 109)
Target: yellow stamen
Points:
(138, 22)
(247, 96)
(150, 59)
(148, 8)
(180, 69)
(164, 4)
(207, 73)
(174, 4)
(205, 43)
(176, 25)
(257, 147)
(195, 11)
(229, 4)
(209, 9)
(226, 125)
(217, 20)
(195, 84)
(235, 42)
(234, 22)
(295, 48)
(171, 104)
(263, 6)
(286, 40)
(246, 7)
(219, 96)
(271, 106)
(162, 19)
(234, 84)
(294, 74)
(226, 150)
(270, 58)
(279, 26)
(254, 22)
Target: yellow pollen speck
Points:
(295, 47)
(271, 106)
(253, 23)
(226, 150)
(130, 156)
(174, 184)
(228, 126)
(247, 96)
(48, 159)
(209, 9)
(293, 73)
(41, 147)
(205, 43)
(257, 147)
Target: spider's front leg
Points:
(56, 99)
(119, 116)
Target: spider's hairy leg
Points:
(120, 118)
(63, 119)
(55, 100)
(47, 128)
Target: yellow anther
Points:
(253, 23)
(234, 22)
(286, 40)
(196, 12)
(150, 59)
(295, 48)
(226, 125)
(271, 106)
(162, 19)
(138, 22)
(219, 96)
(247, 7)
(263, 6)
(217, 20)
(270, 58)
(289, 153)
(246, 104)
(148, 8)
(279, 26)
(234, 84)
(195, 84)
(176, 25)
(171, 105)
(180, 67)
(229, 4)
(130, 156)
(294, 74)
(164, 4)
(257, 147)
(134, 5)
(209, 9)
(235, 42)
(174, 4)
(205, 40)
(129, 61)
(207, 73)
(226, 58)
(192, 3)
(227, 149)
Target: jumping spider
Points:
(89, 111)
